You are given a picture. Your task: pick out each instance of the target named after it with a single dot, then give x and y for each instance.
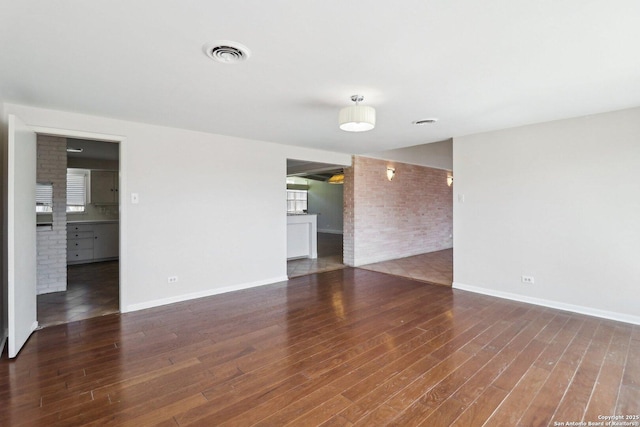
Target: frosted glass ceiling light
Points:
(357, 118)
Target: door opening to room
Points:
(314, 217)
(78, 236)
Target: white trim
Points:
(123, 220)
(611, 315)
(9, 221)
(43, 130)
(122, 186)
(202, 294)
(34, 326)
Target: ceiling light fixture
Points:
(74, 150)
(337, 178)
(357, 118)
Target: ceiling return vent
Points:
(227, 52)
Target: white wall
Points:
(3, 248)
(438, 155)
(326, 200)
(559, 201)
(212, 208)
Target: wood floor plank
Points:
(445, 414)
(405, 387)
(425, 407)
(336, 421)
(418, 384)
(605, 392)
(585, 377)
(512, 407)
(343, 348)
(544, 404)
(558, 344)
(380, 416)
(153, 412)
(481, 409)
(394, 362)
(628, 401)
(322, 412)
(450, 397)
(362, 359)
(632, 368)
(229, 405)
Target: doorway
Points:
(85, 281)
(316, 190)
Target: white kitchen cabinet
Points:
(79, 244)
(92, 242)
(302, 236)
(104, 187)
(105, 245)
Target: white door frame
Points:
(122, 206)
(21, 234)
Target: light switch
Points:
(461, 198)
(135, 198)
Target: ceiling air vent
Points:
(227, 52)
(425, 121)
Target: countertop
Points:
(94, 221)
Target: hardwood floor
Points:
(92, 290)
(433, 267)
(329, 257)
(346, 347)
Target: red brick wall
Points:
(410, 215)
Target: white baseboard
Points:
(202, 294)
(611, 315)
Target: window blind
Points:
(77, 188)
(44, 197)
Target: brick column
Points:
(52, 244)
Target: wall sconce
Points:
(391, 172)
(449, 180)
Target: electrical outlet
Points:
(172, 279)
(528, 280)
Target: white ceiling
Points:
(476, 65)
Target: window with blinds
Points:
(44, 197)
(77, 185)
